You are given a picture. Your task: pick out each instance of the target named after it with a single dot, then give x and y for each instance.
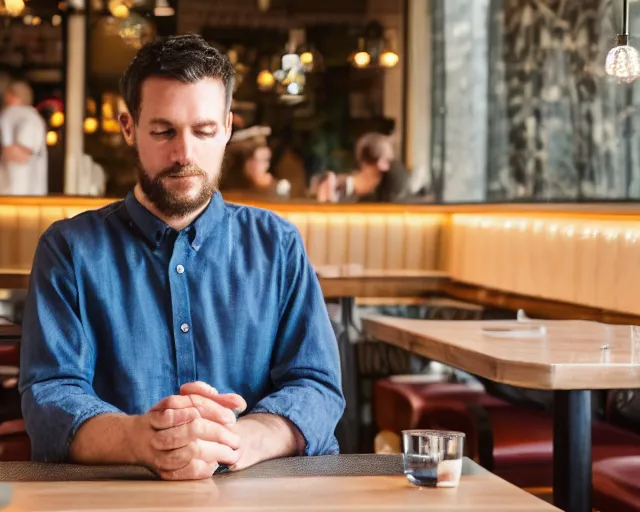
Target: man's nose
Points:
(182, 150)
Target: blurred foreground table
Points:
(336, 483)
(571, 359)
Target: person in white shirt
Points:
(23, 152)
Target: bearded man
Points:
(153, 323)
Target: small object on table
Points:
(433, 458)
(525, 330)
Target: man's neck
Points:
(177, 223)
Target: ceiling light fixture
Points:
(622, 60)
(163, 8)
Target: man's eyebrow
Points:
(205, 122)
(160, 120)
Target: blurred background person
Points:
(247, 164)
(23, 157)
(378, 178)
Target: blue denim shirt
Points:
(122, 310)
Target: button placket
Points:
(181, 310)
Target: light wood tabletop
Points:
(480, 491)
(568, 357)
(356, 281)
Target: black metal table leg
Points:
(349, 425)
(572, 450)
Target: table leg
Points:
(572, 450)
(349, 426)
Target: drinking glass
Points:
(432, 458)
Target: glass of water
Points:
(432, 458)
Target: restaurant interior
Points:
(482, 283)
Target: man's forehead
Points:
(175, 97)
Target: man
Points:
(150, 322)
(23, 161)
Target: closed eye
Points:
(163, 133)
(205, 133)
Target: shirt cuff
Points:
(318, 433)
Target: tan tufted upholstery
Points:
(588, 261)
(377, 241)
(582, 257)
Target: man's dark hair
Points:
(188, 58)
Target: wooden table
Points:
(569, 360)
(14, 278)
(278, 490)
(346, 282)
(355, 281)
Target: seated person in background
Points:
(379, 178)
(23, 161)
(247, 162)
(151, 321)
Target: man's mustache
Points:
(177, 171)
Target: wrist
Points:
(133, 428)
(267, 436)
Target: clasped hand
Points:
(186, 436)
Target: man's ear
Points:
(127, 125)
(229, 125)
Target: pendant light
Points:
(622, 60)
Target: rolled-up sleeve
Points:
(306, 368)
(57, 360)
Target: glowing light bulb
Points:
(90, 125)
(306, 59)
(118, 9)
(389, 59)
(14, 7)
(52, 138)
(57, 119)
(623, 64)
(362, 59)
(265, 80)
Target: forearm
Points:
(267, 436)
(105, 439)
(16, 154)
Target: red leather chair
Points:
(399, 405)
(616, 486)
(14, 442)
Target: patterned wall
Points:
(555, 126)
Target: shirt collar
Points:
(154, 230)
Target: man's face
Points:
(180, 137)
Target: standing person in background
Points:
(23, 160)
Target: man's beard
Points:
(173, 204)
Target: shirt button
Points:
(184, 328)
(180, 269)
